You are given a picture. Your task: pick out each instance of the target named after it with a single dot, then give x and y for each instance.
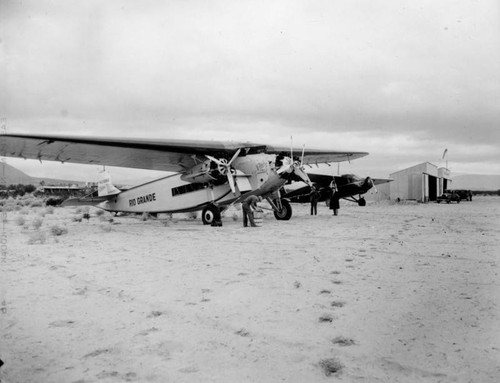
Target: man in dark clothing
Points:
(314, 197)
(334, 199)
(249, 205)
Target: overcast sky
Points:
(403, 80)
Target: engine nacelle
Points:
(204, 172)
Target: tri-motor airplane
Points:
(209, 175)
(349, 187)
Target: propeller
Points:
(374, 186)
(224, 168)
(291, 166)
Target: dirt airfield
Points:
(383, 293)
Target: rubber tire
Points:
(208, 215)
(286, 212)
(361, 202)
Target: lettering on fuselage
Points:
(142, 199)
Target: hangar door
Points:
(432, 192)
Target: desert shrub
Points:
(99, 212)
(27, 201)
(145, 216)
(37, 236)
(330, 366)
(37, 223)
(36, 203)
(54, 201)
(105, 227)
(77, 218)
(10, 205)
(24, 211)
(20, 220)
(57, 230)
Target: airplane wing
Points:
(379, 181)
(317, 156)
(165, 155)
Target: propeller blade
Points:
(302, 159)
(230, 178)
(374, 186)
(218, 162)
(235, 156)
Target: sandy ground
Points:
(384, 293)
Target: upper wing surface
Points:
(318, 156)
(166, 155)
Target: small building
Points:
(422, 183)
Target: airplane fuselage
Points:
(173, 194)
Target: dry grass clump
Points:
(325, 318)
(99, 212)
(57, 230)
(36, 203)
(37, 236)
(105, 227)
(24, 211)
(330, 366)
(77, 218)
(37, 223)
(49, 210)
(337, 304)
(20, 220)
(343, 341)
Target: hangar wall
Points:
(423, 183)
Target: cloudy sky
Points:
(403, 80)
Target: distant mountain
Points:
(476, 182)
(10, 175)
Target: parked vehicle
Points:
(465, 195)
(449, 197)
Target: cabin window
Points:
(186, 189)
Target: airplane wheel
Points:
(208, 215)
(286, 211)
(362, 202)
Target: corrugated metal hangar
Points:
(422, 183)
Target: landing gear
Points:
(283, 211)
(361, 201)
(210, 215)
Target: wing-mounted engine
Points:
(213, 170)
(206, 172)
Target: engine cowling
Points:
(204, 172)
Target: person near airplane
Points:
(314, 198)
(334, 199)
(249, 205)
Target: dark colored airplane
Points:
(350, 187)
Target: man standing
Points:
(314, 197)
(248, 205)
(334, 199)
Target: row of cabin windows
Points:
(187, 189)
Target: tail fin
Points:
(105, 187)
